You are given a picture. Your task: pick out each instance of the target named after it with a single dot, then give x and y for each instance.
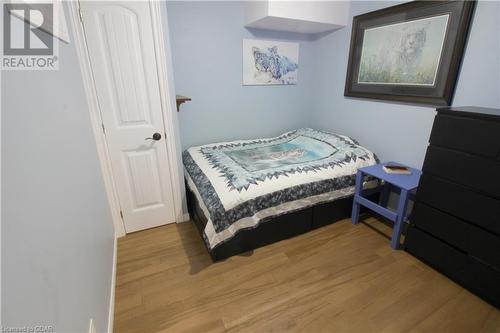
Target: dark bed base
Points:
(272, 230)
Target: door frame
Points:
(168, 108)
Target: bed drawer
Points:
(475, 136)
(473, 240)
(459, 201)
(326, 213)
(472, 274)
(479, 173)
(273, 230)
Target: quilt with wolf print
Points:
(238, 184)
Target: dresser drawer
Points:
(477, 172)
(483, 281)
(469, 238)
(459, 201)
(474, 136)
(437, 254)
(467, 271)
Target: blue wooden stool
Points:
(404, 183)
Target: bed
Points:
(249, 193)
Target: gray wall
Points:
(206, 46)
(206, 41)
(57, 232)
(397, 131)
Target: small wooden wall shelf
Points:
(181, 99)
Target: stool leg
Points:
(400, 220)
(384, 196)
(357, 191)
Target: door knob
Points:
(156, 137)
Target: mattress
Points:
(241, 184)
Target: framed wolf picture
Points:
(410, 52)
(270, 62)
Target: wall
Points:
(206, 39)
(398, 131)
(206, 50)
(57, 232)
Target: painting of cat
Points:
(409, 53)
(269, 62)
(403, 53)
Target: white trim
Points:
(111, 314)
(169, 106)
(95, 117)
(186, 218)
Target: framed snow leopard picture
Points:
(410, 52)
(270, 62)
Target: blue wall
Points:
(206, 41)
(206, 46)
(397, 131)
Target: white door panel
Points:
(144, 178)
(120, 43)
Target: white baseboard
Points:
(111, 314)
(185, 218)
(91, 326)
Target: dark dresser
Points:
(455, 225)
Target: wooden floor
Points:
(340, 278)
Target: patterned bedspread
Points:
(242, 183)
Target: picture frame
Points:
(410, 52)
(267, 62)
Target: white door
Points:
(120, 44)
